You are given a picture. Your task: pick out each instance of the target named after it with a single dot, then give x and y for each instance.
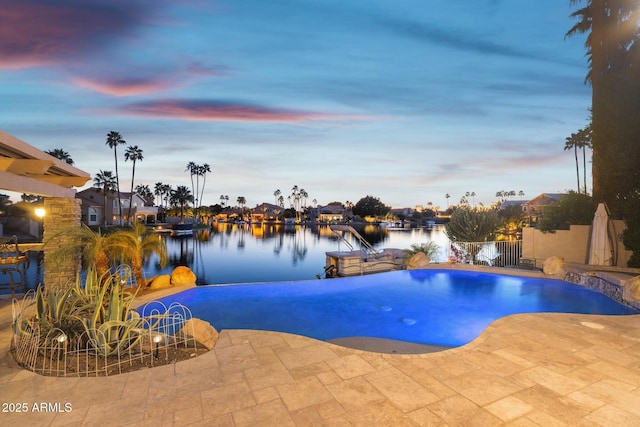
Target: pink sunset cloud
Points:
(123, 87)
(226, 111)
(36, 32)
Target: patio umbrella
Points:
(600, 244)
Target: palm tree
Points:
(521, 194)
(447, 196)
(133, 153)
(113, 140)
(571, 142)
(193, 170)
(276, 194)
(181, 196)
(105, 182)
(157, 191)
(134, 247)
(584, 142)
(611, 46)
(59, 153)
(241, 201)
(144, 191)
(202, 171)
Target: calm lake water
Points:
(233, 253)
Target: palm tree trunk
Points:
(118, 187)
(584, 168)
(575, 152)
(133, 174)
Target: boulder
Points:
(201, 331)
(160, 282)
(183, 276)
(418, 261)
(553, 266)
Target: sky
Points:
(407, 101)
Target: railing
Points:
(495, 254)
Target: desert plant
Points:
(134, 247)
(130, 246)
(469, 224)
(430, 249)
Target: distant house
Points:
(509, 203)
(266, 212)
(535, 207)
(96, 209)
(402, 212)
(331, 213)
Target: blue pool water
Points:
(437, 307)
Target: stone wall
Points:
(572, 244)
(60, 214)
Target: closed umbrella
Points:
(600, 244)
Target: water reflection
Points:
(237, 253)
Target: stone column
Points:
(61, 213)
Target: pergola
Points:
(26, 169)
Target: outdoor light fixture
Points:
(157, 340)
(40, 212)
(61, 340)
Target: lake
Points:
(242, 253)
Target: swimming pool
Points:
(436, 307)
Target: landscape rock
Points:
(201, 331)
(183, 276)
(418, 261)
(160, 282)
(553, 266)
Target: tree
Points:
(105, 182)
(469, 224)
(202, 171)
(133, 153)
(571, 142)
(276, 194)
(580, 140)
(572, 208)
(193, 170)
(613, 55)
(513, 219)
(144, 191)
(59, 153)
(181, 197)
(370, 206)
(113, 140)
(241, 201)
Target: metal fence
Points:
(495, 254)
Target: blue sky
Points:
(406, 101)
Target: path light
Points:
(157, 340)
(61, 340)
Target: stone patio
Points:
(524, 370)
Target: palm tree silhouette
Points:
(181, 196)
(133, 153)
(105, 182)
(113, 140)
(59, 153)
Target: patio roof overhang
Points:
(26, 169)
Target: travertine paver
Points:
(525, 370)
